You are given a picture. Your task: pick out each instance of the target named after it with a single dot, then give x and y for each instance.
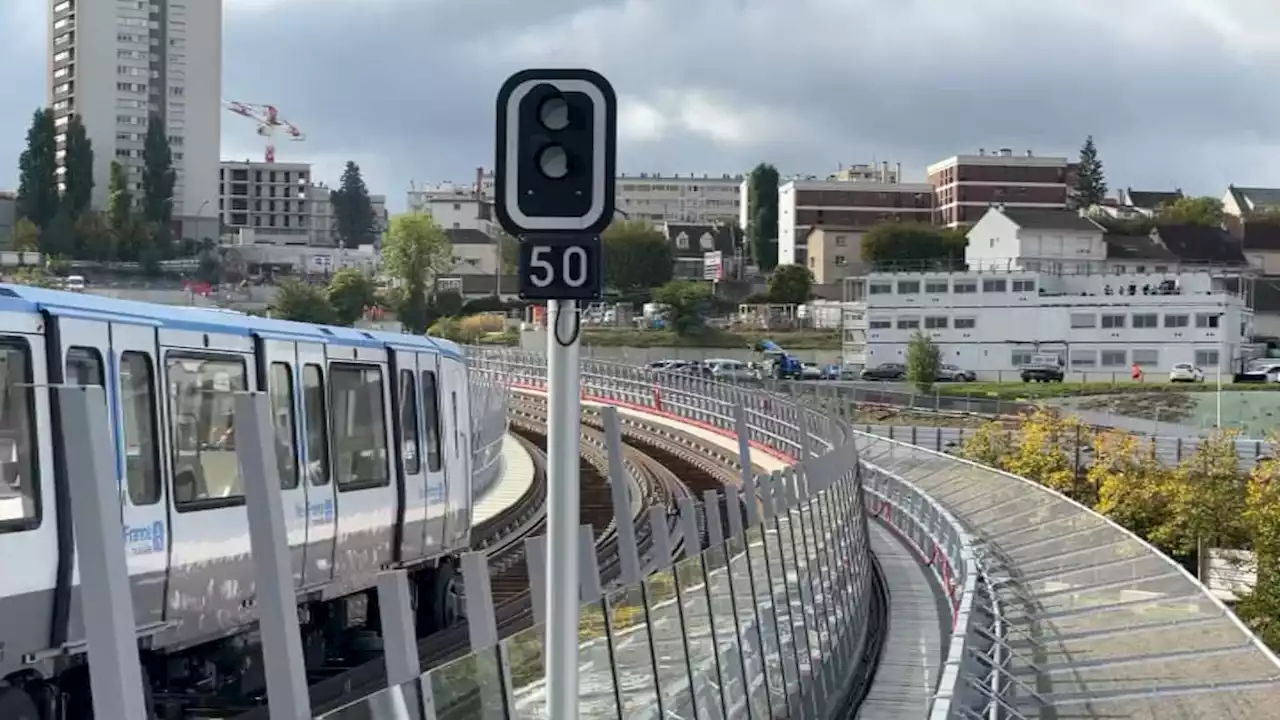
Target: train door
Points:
(279, 374)
(125, 355)
(436, 485)
(321, 504)
(457, 443)
(409, 454)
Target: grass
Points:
(710, 338)
(1033, 391)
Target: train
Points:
(374, 448)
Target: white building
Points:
(1050, 282)
(116, 63)
(281, 205)
(453, 207)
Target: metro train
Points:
(373, 439)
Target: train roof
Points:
(83, 305)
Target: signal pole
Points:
(554, 187)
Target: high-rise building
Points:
(116, 63)
(968, 185)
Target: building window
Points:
(1020, 357)
(1176, 321)
(841, 261)
(879, 324)
(1145, 320)
(908, 287)
(999, 285)
(908, 323)
(1024, 286)
(1084, 358)
(936, 287)
(962, 287)
(1146, 358)
(1112, 322)
(841, 241)
(965, 323)
(1081, 320)
(1207, 321)
(935, 323)
(1207, 358)
(880, 288)
(1113, 358)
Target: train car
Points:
(374, 442)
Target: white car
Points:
(1186, 372)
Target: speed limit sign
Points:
(561, 267)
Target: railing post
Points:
(482, 625)
(620, 491)
(715, 530)
(535, 558)
(115, 677)
(689, 527)
(399, 649)
(661, 538)
(589, 589)
(287, 695)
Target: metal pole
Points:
(563, 429)
(115, 677)
(620, 489)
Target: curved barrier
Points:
(488, 428)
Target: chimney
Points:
(884, 171)
(1006, 152)
(897, 173)
(982, 152)
(479, 184)
(1029, 154)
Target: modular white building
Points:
(1052, 282)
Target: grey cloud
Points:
(1174, 91)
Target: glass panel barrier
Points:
(632, 654)
(729, 647)
(596, 697)
(523, 653)
(469, 687)
(666, 632)
(700, 641)
(748, 628)
(403, 702)
(781, 603)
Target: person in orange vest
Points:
(1136, 372)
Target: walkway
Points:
(517, 476)
(1099, 623)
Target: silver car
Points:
(726, 370)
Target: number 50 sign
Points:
(561, 267)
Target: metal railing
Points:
(770, 613)
(489, 406)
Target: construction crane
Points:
(269, 121)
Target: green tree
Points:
(1206, 499)
(923, 361)
(130, 236)
(913, 243)
(26, 236)
(447, 303)
(1260, 608)
(78, 177)
(509, 253)
(1091, 181)
(350, 291)
(158, 179)
(686, 304)
(35, 276)
(38, 172)
(93, 239)
(1205, 211)
(414, 252)
(635, 256)
(790, 285)
(302, 302)
(352, 210)
(58, 240)
(762, 208)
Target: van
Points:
(75, 283)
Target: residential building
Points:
(454, 207)
(282, 205)
(1147, 202)
(8, 217)
(872, 173)
(116, 64)
(692, 242)
(474, 252)
(966, 185)
(804, 204)
(1043, 282)
(834, 253)
(1243, 201)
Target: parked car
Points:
(728, 370)
(951, 373)
(885, 371)
(810, 371)
(1186, 372)
(1043, 368)
(1263, 370)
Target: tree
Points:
(509, 254)
(1260, 608)
(158, 179)
(58, 240)
(1205, 211)
(93, 239)
(1131, 484)
(635, 256)
(131, 239)
(448, 303)
(302, 302)
(1091, 181)
(352, 210)
(686, 304)
(78, 177)
(989, 445)
(762, 206)
(1206, 499)
(414, 252)
(790, 285)
(1049, 449)
(38, 172)
(913, 243)
(350, 292)
(924, 359)
(26, 236)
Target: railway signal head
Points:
(556, 148)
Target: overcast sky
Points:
(1175, 92)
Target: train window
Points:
(410, 448)
(359, 426)
(431, 411)
(206, 471)
(84, 366)
(142, 451)
(317, 426)
(19, 481)
(282, 419)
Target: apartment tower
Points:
(116, 63)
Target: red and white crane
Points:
(269, 122)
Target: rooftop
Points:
(1199, 243)
(1047, 219)
(1136, 247)
(1254, 199)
